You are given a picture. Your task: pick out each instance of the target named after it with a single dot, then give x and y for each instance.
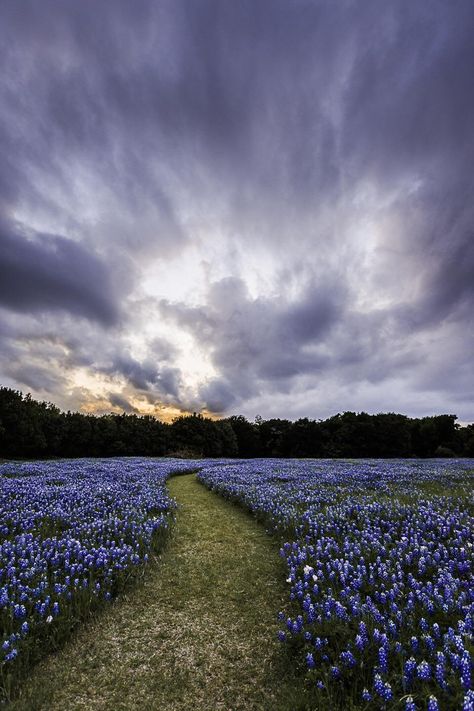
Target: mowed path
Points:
(198, 632)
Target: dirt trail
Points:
(199, 632)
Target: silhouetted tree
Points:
(38, 429)
(247, 436)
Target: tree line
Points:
(33, 429)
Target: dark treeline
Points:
(29, 428)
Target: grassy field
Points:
(199, 630)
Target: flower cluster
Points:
(69, 533)
(380, 566)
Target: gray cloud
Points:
(146, 376)
(51, 273)
(316, 156)
(117, 400)
(257, 341)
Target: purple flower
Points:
(466, 670)
(383, 689)
(11, 655)
(468, 703)
(423, 670)
(440, 669)
(383, 660)
(348, 658)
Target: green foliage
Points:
(202, 437)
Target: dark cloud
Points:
(146, 376)
(218, 396)
(39, 378)
(45, 272)
(117, 400)
(140, 375)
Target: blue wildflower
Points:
(423, 670)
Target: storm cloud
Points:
(254, 207)
(49, 272)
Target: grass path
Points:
(198, 632)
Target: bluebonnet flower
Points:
(429, 642)
(383, 660)
(433, 704)
(440, 669)
(348, 658)
(363, 631)
(466, 670)
(423, 670)
(410, 704)
(468, 702)
(409, 669)
(11, 655)
(19, 612)
(392, 628)
(382, 688)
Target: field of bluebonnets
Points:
(379, 559)
(71, 533)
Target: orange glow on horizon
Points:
(163, 413)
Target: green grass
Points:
(198, 631)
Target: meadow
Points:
(71, 533)
(377, 556)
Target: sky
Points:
(245, 207)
